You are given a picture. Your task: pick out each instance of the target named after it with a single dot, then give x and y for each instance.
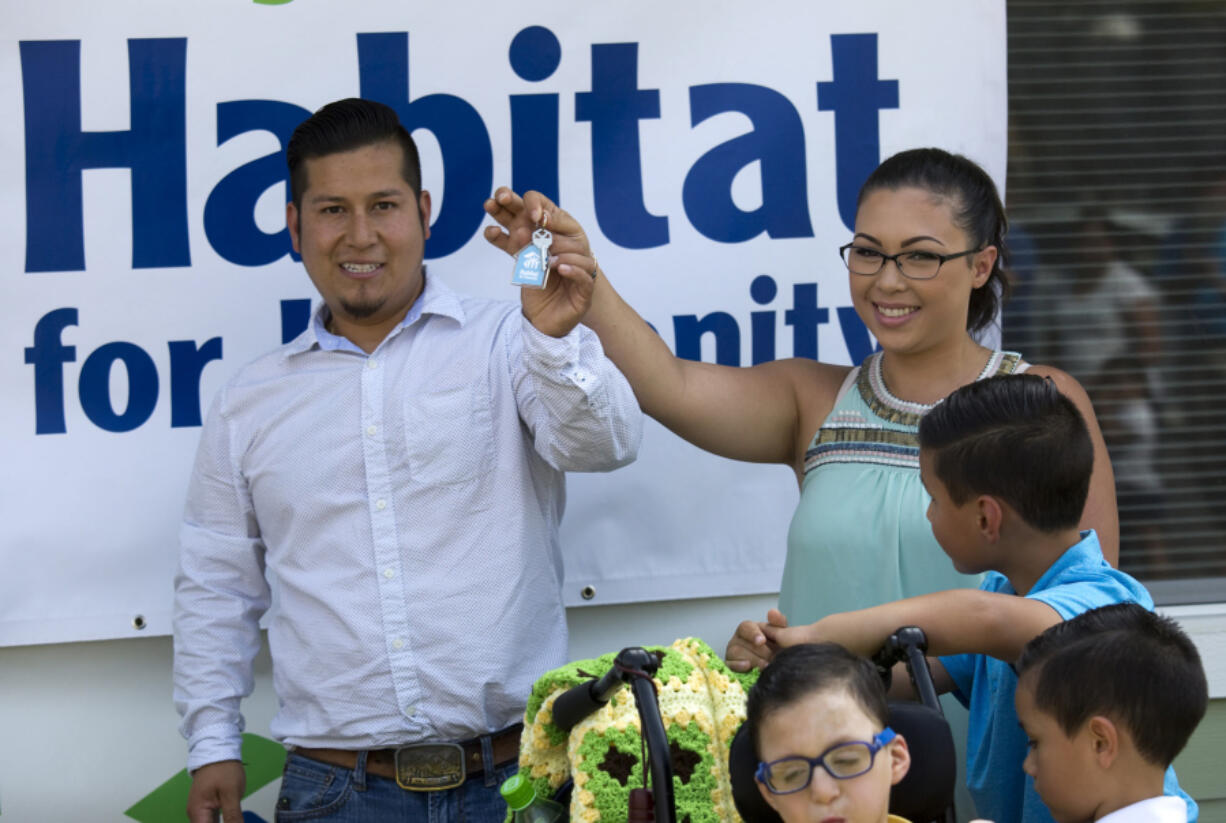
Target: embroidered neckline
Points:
(885, 405)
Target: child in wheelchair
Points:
(1101, 753)
(1007, 462)
(817, 723)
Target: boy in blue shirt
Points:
(1102, 754)
(1007, 463)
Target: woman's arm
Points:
(757, 413)
(1100, 513)
(761, 413)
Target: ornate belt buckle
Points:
(430, 767)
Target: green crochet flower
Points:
(702, 703)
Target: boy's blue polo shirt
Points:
(1078, 581)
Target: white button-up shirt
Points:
(1165, 809)
(399, 511)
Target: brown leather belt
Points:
(382, 762)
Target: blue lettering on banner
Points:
(229, 212)
(187, 361)
(804, 317)
(777, 144)
(295, 316)
(614, 107)
(96, 392)
(762, 323)
(855, 96)
(468, 160)
(59, 151)
(534, 55)
(48, 355)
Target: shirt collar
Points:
(436, 298)
(1165, 809)
(1082, 552)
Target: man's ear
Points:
(291, 223)
(1104, 737)
(900, 759)
(991, 514)
(423, 208)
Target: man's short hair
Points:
(346, 125)
(1126, 663)
(809, 668)
(1017, 438)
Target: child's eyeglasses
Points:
(842, 761)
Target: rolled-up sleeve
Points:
(220, 594)
(579, 407)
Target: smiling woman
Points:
(925, 272)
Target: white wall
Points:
(88, 729)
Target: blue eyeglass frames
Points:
(841, 761)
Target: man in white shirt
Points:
(392, 480)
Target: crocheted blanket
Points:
(702, 703)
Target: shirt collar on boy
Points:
(1086, 550)
(1165, 809)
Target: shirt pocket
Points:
(448, 434)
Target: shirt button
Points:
(397, 643)
(389, 574)
(380, 504)
(372, 364)
(410, 710)
(371, 430)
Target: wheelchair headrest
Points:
(921, 796)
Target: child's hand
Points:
(848, 629)
(749, 647)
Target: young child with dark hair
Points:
(1101, 753)
(1007, 463)
(817, 720)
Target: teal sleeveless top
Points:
(860, 535)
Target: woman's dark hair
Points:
(799, 671)
(345, 125)
(977, 207)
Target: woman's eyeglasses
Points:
(916, 265)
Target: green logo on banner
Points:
(273, 2)
(264, 759)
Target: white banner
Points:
(712, 151)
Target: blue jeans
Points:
(316, 791)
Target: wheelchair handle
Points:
(633, 665)
(578, 702)
(909, 643)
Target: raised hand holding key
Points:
(532, 261)
(532, 228)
